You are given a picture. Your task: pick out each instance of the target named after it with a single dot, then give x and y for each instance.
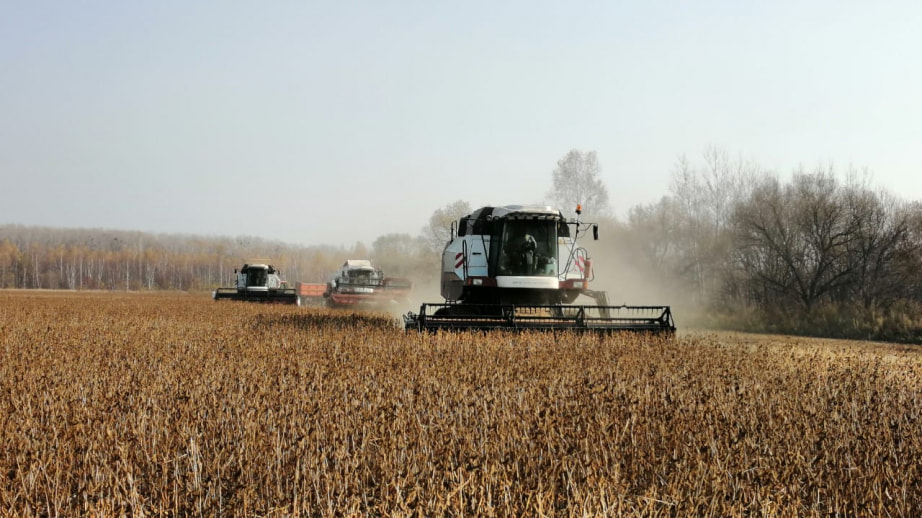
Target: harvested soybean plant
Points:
(169, 404)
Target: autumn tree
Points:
(10, 262)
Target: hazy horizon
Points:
(331, 124)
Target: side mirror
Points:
(595, 232)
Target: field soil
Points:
(171, 404)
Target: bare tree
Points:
(438, 232)
(703, 201)
(794, 240)
(881, 252)
(401, 254)
(654, 234)
(577, 180)
(909, 259)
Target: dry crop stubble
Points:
(166, 404)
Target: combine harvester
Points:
(519, 267)
(258, 282)
(360, 285)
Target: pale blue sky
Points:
(337, 122)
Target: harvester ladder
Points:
(465, 258)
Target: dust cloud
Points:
(426, 289)
(621, 271)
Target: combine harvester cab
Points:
(258, 283)
(361, 285)
(519, 267)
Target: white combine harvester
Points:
(360, 284)
(519, 267)
(258, 282)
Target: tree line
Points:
(822, 253)
(99, 259)
(730, 245)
